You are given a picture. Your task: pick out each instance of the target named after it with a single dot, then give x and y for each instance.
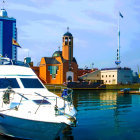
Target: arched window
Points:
(66, 40)
(69, 41)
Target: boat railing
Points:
(56, 89)
(67, 97)
(58, 111)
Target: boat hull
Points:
(29, 129)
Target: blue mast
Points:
(118, 50)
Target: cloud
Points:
(100, 16)
(24, 7)
(77, 20)
(93, 23)
(40, 2)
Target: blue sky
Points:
(93, 23)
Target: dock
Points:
(129, 92)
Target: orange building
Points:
(62, 66)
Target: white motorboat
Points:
(27, 109)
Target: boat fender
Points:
(6, 95)
(64, 93)
(73, 121)
(56, 109)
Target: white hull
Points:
(27, 109)
(28, 129)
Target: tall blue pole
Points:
(118, 61)
(119, 39)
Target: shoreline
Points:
(108, 87)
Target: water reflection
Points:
(67, 134)
(101, 100)
(105, 115)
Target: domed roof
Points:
(67, 34)
(3, 13)
(57, 54)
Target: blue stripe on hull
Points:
(28, 129)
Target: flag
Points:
(121, 15)
(14, 42)
(64, 93)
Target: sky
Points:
(93, 24)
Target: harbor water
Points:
(104, 115)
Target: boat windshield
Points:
(7, 61)
(20, 63)
(31, 83)
(6, 82)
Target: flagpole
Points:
(119, 34)
(119, 38)
(117, 62)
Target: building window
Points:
(53, 70)
(102, 76)
(106, 75)
(109, 75)
(66, 41)
(69, 41)
(109, 81)
(113, 76)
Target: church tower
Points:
(67, 46)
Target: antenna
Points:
(58, 48)
(3, 3)
(92, 65)
(118, 50)
(138, 69)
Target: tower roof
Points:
(51, 60)
(67, 34)
(3, 13)
(57, 54)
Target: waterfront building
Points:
(117, 75)
(93, 76)
(8, 33)
(62, 66)
(112, 76)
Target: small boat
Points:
(125, 90)
(27, 109)
(128, 91)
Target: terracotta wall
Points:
(44, 74)
(42, 70)
(65, 52)
(66, 69)
(36, 70)
(57, 79)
